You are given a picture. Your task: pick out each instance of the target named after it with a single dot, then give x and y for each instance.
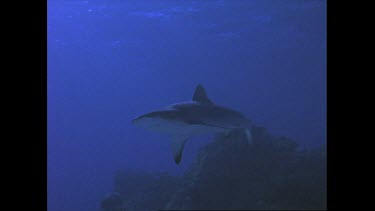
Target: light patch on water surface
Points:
(229, 35)
(154, 14)
(166, 13)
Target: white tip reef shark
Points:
(199, 116)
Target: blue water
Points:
(109, 61)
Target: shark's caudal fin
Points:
(245, 132)
(249, 136)
(177, 144)
(200, 95)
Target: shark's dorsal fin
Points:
(177, 144)
(200, 95)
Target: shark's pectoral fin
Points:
(177, 144)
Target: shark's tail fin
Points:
(240, 133)
(248, 135)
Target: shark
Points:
(195, 117)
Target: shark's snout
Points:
(140, 120)
(144, 117)
(136, 121)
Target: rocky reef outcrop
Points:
(272, 173)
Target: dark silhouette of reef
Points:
(272, 173)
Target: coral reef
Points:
(272, 173)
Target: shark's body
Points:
(185, 119)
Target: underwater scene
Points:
(186, 105)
